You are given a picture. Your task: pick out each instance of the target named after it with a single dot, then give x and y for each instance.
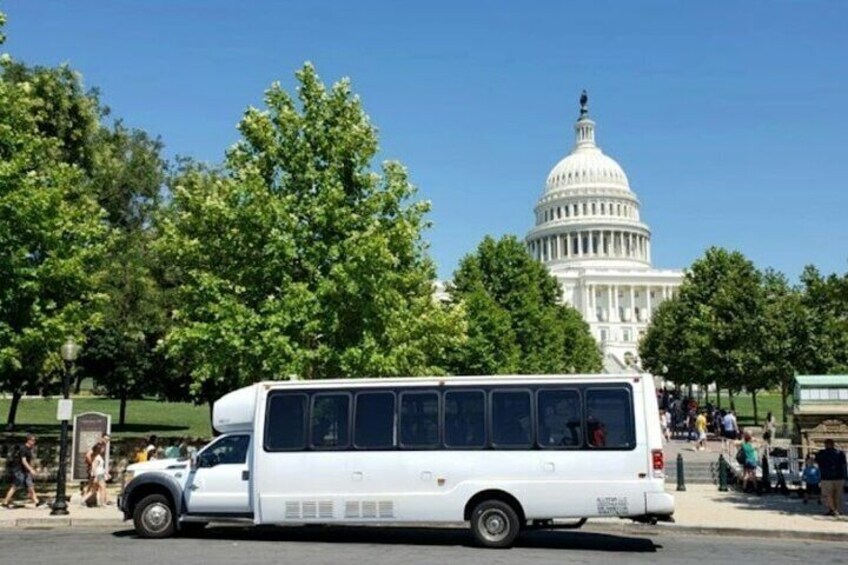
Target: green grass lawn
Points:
(766, 402)
(165, 419)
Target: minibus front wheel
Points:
(154, 517)
(495, 524)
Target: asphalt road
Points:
(395, 546)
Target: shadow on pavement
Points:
(776, 503)
(540, 539)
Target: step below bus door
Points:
(220, 479)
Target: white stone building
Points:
(589, 233)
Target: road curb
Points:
(48, 523)
(717, 532)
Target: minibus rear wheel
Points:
(495, 524)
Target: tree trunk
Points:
(215, 433)
(13, 411)
(754, 400)
(732, 401)
(78, 382)
(706, 394)
(718, 397)
(122, 414)
(784, 393)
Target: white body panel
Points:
(436, 485)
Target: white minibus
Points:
(501, 453)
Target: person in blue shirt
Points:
(811, 475)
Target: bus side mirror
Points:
(194, 461)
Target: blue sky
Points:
(730, 119)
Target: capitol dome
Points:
(587, 214)
(586, 166)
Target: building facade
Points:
(589, 233)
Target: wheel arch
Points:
(153, 483)
(494, 494)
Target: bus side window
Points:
(512, 424)
(465, 419)
(609, 418)
(329, 421)
(419, 419)
(375, 420)
(559, 418)
(285, 420)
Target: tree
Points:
(710, 332)
(52, 242)
(297, 258)
(127, 179)
(669, 347)
(787, 339)
(826, 301)
(516, 323)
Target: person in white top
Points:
(99, 476)
(731, 428)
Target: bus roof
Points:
(429, 381)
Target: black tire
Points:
(154, 517)
(495, 524)
(192, 528)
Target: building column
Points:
(633, 305)
(614, 317)
(648, 311)
(609, 303)
(594, 303)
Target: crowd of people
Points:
(823, 473)
(21, 470)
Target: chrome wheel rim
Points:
(156, 517)
(494, 525)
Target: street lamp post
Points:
(70, 350)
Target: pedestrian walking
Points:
(770, 428)
(98, 478)
(831, 462)
(701, 430)
(729, 425)
(103, 442)
(22, 471)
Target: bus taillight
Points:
(658, 463)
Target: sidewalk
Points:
(701, 509)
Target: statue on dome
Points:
(584, 100)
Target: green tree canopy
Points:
(297, 257)
(710, 332)
(52, 239)
(516, 323)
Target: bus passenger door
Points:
(220, 483)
